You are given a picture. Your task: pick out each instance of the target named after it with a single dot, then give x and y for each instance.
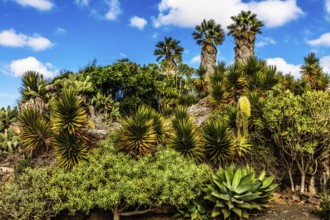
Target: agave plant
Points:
(218, 93)
(217, 141)
(138, 135)
(235, 191)
(196, 210)
(185, 138)
(35, 130)
(69, 149)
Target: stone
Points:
(200, 111)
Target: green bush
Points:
(109, 180)
(234, 191)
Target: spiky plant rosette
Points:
(137, 135)
(35, 130)
(217, 141)
(236, 191)
(69, 149)
(186, 140)
(68, 113)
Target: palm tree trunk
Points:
(208, 58)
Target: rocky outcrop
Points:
(200, 111)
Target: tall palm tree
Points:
(170, 52)
(244, 28)
(208, 34)
(313, 73)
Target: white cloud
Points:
(138, 22)
(18, 67)
(325, 63)
(323, 40)
(82, 3)
(122, 55)
(114, 10)
(9, 38)
(42, 5)
(284, 67)
(265, 41)
(196, 59)
(327, 5)
(188, 13)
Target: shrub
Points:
(235, 191)
(109, 180)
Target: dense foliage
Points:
(109, 180)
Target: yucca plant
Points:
(36, 131)
(185, 138)
(69, 149)
(137, 134)
(33, 85)
(235, 191)
(68, 113)
(217, 141)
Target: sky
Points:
(50, 36)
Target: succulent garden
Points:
(208, 143)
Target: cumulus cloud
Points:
(265, 41)
(188, 13)
(327, 5)
(138, 22)
(325, 63)
(18, 67)
(114, 10)
(82, 3)
(284, 67)
(41, 5)
(9, 38)
(196, 59)
(323, 40)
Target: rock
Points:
(98, 134)
(200, 111)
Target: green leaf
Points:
(236, 179)
(216, 212)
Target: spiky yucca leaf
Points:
(137, 135)
(36, 132)
(69, 149)
(68, 113)
(235, 191)
(185, 139)
(217, 142)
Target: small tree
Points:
(300, 129)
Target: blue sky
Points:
(52, 35)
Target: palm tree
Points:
(313, 73)
(208, 34)
(170, 52)
(244, 30)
